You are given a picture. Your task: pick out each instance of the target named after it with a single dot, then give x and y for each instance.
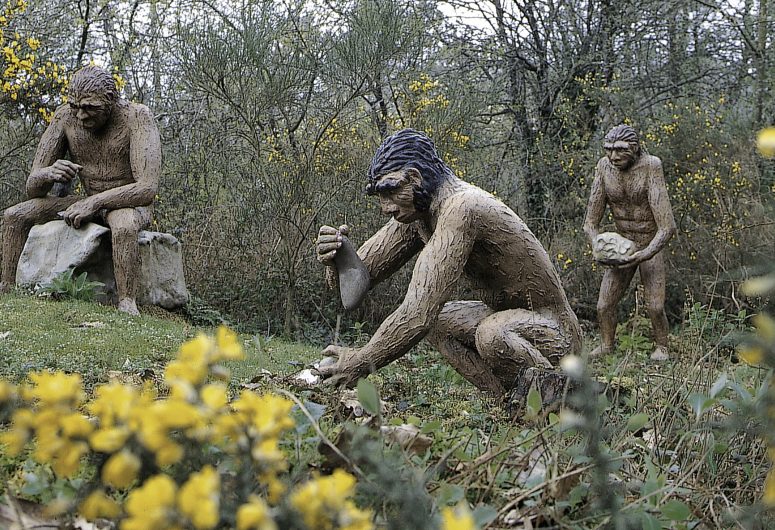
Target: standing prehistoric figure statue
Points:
(523, 320)
(632, 184)
(115, 150)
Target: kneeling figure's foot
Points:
(660, 354)
(552, 384)
(128, 306)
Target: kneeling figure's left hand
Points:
(347, 369)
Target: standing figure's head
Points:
(92, 94)
(405, 173)
(622, 147)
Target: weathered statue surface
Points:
(115, 151)
(631, 183)
(457, 231)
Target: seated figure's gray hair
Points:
(406, 149)
(93, 80)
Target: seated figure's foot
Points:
(601, 351)
(660, 354)
(128, 306)
(5, 287)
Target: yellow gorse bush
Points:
(139, 440)
(28, 79)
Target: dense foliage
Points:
(270, 112)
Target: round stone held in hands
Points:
(610, 248)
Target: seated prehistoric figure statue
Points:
(631, 183)
(457, 231)
(115, 150)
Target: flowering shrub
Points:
(28, 79)
(192, 458)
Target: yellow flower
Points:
(768, 498)
(214, 395)
(192, 361)
(54, 388)
(765, 142)
(458, 518)
(268, 414)
(113, 403)
(97, 505)
(323, 502)
(109, 440)
(199, 498)
(121, 469)
(752, 355)
(67, 459)
(151, 505)
(255, 516)
(168, 454)
(765, 326)
(229, 347)
(14, 440)
(76, 426)
(7, 391)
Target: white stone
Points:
(54, 247)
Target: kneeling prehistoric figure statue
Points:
(457, 231)
(632, 184)
(115, 150)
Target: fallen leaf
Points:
(408, 437)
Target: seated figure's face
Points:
(621, 154)
(92, 110)
(396, 195)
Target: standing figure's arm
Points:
(437, 271)
(48, 166)
(145, 161)
(659, 202)
(595, 206)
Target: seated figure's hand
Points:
(61, 171)
(80, 212)
(328, 242)
(346, 370)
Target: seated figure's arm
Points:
(145, 161)
(660, 208)
(436, 273)
(48, 168)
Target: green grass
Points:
(663, 454)
(93, 340)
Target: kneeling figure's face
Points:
(396, 195)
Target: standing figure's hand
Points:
(328, 242)
(628, 261)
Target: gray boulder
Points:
(54, 247)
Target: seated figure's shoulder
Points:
(63, 115)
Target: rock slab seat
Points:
(54, 247)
